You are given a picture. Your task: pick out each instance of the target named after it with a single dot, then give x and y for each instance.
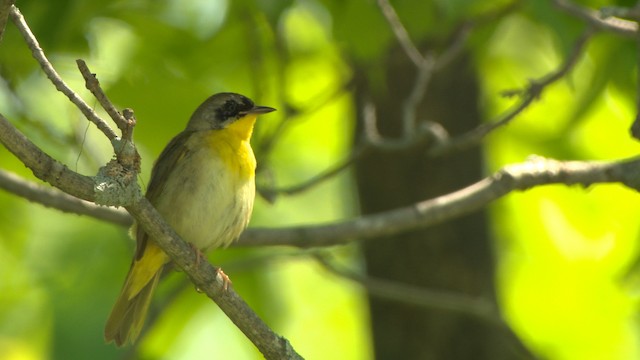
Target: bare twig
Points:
(52, 74)
(529, 95)
(480, 308)
(56, 199)
(426, 66)
(410, 105)
(124, 148)
(412, 133)
(92, 84)
(461, 35)
(5, 8)
(427, 131)
(290, 117)
(619, 26)
(269, 190)
(270, 194)
(537, 171)
(401, 33)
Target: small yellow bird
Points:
(203, 185)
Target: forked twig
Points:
(53, 75)
(529, 95)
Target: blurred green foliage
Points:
(564, 253)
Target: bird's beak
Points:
(260, 110)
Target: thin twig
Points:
(479, 308)
(461, 34)
(619, 26)
(52, 74)
(373, 138)
(416, 96)
(92, 84)
(426, 66)
(401, 33)
(125, 150)
(5, 9)
(269, 190)
(290, 116)
(271, 193)
(529, 95)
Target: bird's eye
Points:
(228, 110)
(247, 104)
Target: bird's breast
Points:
(209, 195)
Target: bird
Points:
(203, 185)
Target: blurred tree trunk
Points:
(455, 256)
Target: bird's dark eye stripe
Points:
(233, 108)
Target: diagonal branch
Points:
(56, 199)
(203, 274)
(116, 184)
(43, 166)
(210, 281)
(53, 75)
(427, 65)
(529, 95)
(92, 84)
(616, 25)
(401, 33)
(535, 172)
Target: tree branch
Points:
(415, 132)
(92, 84)
(5, 9)
(271, 193)
(209, 280)
(56, 199)
(52, 74)
(622, 27)
(204, 276)
(43, 166)
(116, 185)
(479, 308)
(401, 33)
(529, 95)
(535, 172)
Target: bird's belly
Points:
(209, 206)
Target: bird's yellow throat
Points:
(233, 147)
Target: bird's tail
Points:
(129, 312)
